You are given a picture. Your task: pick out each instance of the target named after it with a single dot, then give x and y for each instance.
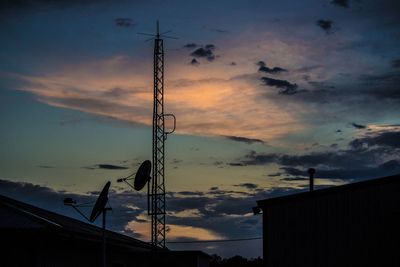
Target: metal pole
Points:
(104, 237)
(311, 172)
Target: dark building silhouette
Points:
(31, 236)
(356, 224)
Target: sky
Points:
(262, 91)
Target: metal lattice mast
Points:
(156, 186)
(158, 182)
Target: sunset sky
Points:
(262, 90)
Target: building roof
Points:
(328, 191)
(16, 215)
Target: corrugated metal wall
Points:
(357, 227)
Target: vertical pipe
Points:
(148, 197)
(104, 237)
(311, 172)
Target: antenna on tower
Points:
(158, 29)
(158, 35)
(156, 183)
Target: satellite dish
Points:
(68, 201)
(143, 175)
(100, 202)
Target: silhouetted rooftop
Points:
(330, 190)
(16, 215)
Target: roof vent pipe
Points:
(311, 172)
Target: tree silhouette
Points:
(235, 261)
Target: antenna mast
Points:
(156, 190)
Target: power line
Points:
(213, 241)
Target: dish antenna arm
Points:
(126, 180)
(80, 212)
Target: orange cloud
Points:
(188, 213)
(212, 99)
(174, 231)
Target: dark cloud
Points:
(250, 221)
(373, 155)
(24, 4)
(176, 161)
(358, 126)
(261, 63)
(321, 85)
(391, 77)
(194, 62)
(203, 53)
(106, 167)
(116, 92)
(218, 163)
(190, 45)
(388, 139)
(219, 30)
(326, 25)
(190, 193)
(340, 3)
(111, 167)
(206, 52)
(389, 93)
(294, 171)
(236, 164)
(308, 68)
(345, 158)
(254, 158)
(210, 46)
(248, 185)
(385, 169)
(289, 179)
(233, 63)
(124, 22)
(381, 78)
(240, 205)
(396, 63)
(274, 70)
(244, 139)
(310, 160)
(274, 174)
(45, 166)
(286, 88)
(263, 68)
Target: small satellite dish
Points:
(256, 210)
(68, 201)
(100, 203)
(142, 175)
